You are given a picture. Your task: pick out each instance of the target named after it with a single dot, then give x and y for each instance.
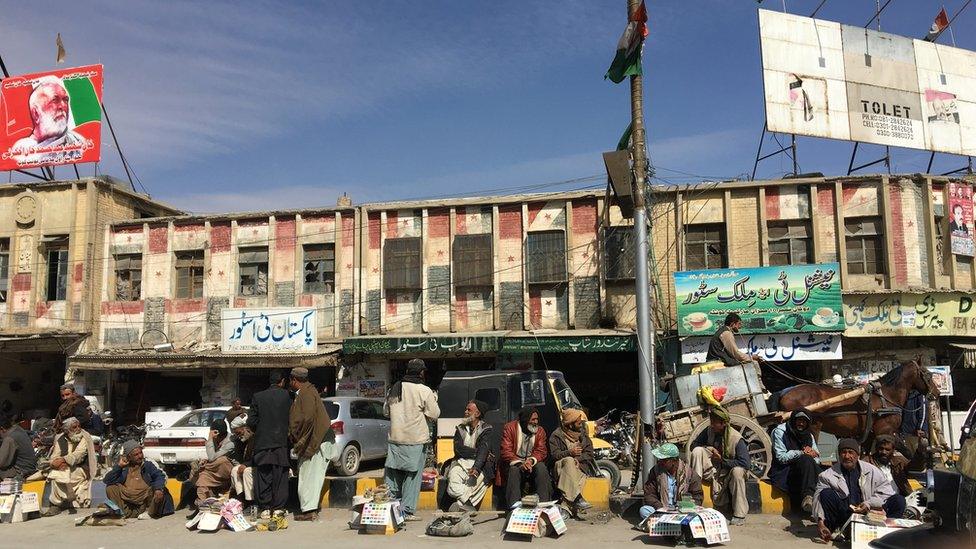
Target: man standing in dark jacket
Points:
(915, 424)
(268, 418)
(17, 458)
(137, 486)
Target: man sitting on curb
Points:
(894, 467)
(73, 466)
(721, 455)
(851, 486)
(571, 452)
(669, 482)
(796, 459)
(474, 468)
(136, 486)
(523, 457)
(212, 474)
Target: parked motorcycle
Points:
(614, 443)
(115, 438)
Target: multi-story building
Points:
(51, 260)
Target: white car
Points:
(185, 441)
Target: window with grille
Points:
(189, 274)
(546, 254)
(790, 242)
(941, 245)
(57, 269)
(473, 264)
(864, 238)
(4, 268)
(705, 246)
(253, 269)
(128, 277)
(402, 263)
(618, 253)
(319, 268)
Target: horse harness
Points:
(870, 390)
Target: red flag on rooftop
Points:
(940, 23)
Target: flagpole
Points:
(646, 373)
(949, 24)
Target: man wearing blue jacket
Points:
(137, 486)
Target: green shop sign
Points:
(569, 344)
(786, 299)
(489, 344)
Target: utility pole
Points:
(646, 374)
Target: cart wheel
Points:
(758, 442)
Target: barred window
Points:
(319, 268)
(705, 246)
(473, 264)
(618, 253)
(128, 277)
(4, 268)
(253, 267)
(546, 254)
(189, 274)
(865, 245)
(789, 242)
(57, 268)
(402, 263)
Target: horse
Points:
(850, 418)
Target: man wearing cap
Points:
(851, 486)
(571, 455)
(212, 475)
(137, 486)
(720, 454)
(796, 459)
(409, 405)
(670, 481)
(313, 441)
(475, 461)
(893, 466)
(268, 419)
(242, 477)
(73, 466)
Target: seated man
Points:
(720, 455)
(17, 457)
(242, 477)
(523, 457)
(669, 482)
(796, 459)
(851, 486)
(212, 475)
(892, 466)
(474, 463)
(571, 452)
(73, 465)
(137, 486)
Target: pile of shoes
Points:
(276, 521)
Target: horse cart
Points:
(745, 401)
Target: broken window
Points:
(189, 274)
(618, 253)
(705, 246)
(789, 242)
(57, 268)
(253, 266)
(319, 268)
(546, 253)
(128, 277)
(865, 245)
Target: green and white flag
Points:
(627, 62)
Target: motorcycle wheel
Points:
(609, 471)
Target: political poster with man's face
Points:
(51, 118)
(961, 219)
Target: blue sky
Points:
(256, 105)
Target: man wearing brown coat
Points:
(669, 481)
(312, 440)
(893, 466)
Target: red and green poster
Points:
(51, 118)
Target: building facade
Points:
(51, 234)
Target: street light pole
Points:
(646, 374)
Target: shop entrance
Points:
(135, 392)
(29, 383)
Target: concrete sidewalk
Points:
(331, 531)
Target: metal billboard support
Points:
(886, 159)
(782, 150)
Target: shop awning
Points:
(50, 342)
(547, 341)
(145, 360)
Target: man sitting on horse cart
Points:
(852, 486)
(796, 459)
(722, 345)
(721, 455)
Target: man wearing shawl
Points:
(475, 462)
(242, 477)
(312, 440)
(137, 486)
(796, 459)
(523, 457)
(669, 482)
(73, 466)
(571, 452)
(212, 474)
(409, 405)
(721, 455)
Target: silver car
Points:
(361, 430)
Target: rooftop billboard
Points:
(824, 79)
